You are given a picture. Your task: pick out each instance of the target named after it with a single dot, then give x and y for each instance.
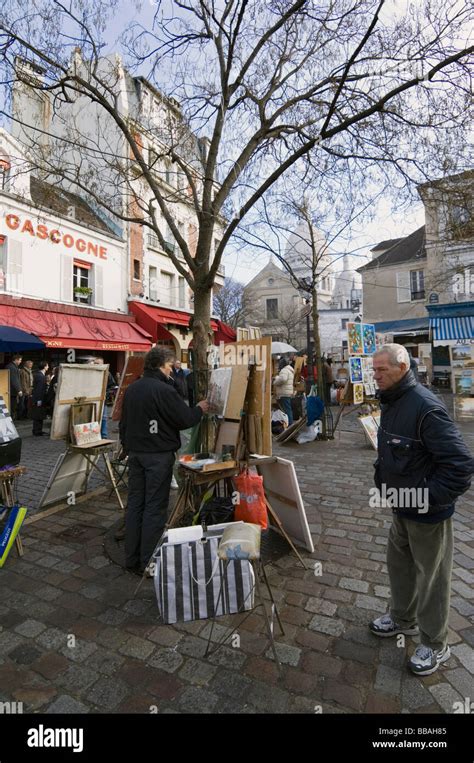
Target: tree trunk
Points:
(317, 352)
(201, 325)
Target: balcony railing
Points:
(415, 295)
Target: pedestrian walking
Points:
(285, 389)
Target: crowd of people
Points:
(32, 391)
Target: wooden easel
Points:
(7, 486)
(90, 453)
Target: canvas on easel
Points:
(77, 382)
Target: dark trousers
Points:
(37, 426)
(149, 480)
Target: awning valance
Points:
(62, 330)
(452, 329)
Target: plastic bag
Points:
(308, 434)
(251, 506)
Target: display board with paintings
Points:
(462, 364)
(362, 345)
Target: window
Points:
(344, 322)
(153, 284)
(167, 281)
(461, 218)
(272, 309)
(270, 281)
(182, 288)
(4, 174)
(81, 282)
(136, 270)
(417, 284)
(403, 286)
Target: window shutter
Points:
(98, 294)
(403, 286)
(66, 278)
(14, 265)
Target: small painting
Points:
(354, 331)
(461, 352)
(358, 394)
(371, 426)
(219, 386)
(355, 365)
(368, 338)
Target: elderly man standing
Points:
(423, 466)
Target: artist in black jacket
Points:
(152, 416)
(423, 466)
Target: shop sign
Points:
(55, 235)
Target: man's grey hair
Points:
(397, 354)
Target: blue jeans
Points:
(285, 403)
(103, 426)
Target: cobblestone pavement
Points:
(39, 455)
(74, 638)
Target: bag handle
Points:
(213, 572)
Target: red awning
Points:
(76, 331)
(152, 319)
(224, 333)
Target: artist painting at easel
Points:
(152, 416)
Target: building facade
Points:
(63, 271)
(157, 292)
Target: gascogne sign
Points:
(55, 235)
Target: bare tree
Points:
(344, 81)
(229, 303)
(284, 325)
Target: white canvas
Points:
(68, 475)
(76, 380)
(282, 490)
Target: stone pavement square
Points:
(74, 637)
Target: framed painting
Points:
(355, 367)
(368, 338)
(354, 332)
(358, 394)
(371, 425)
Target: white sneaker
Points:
(384, 626)
(425, 660)
(174, 484)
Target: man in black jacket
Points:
(38, 398)
(152, 416)
(15, 385)
(423, 466)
